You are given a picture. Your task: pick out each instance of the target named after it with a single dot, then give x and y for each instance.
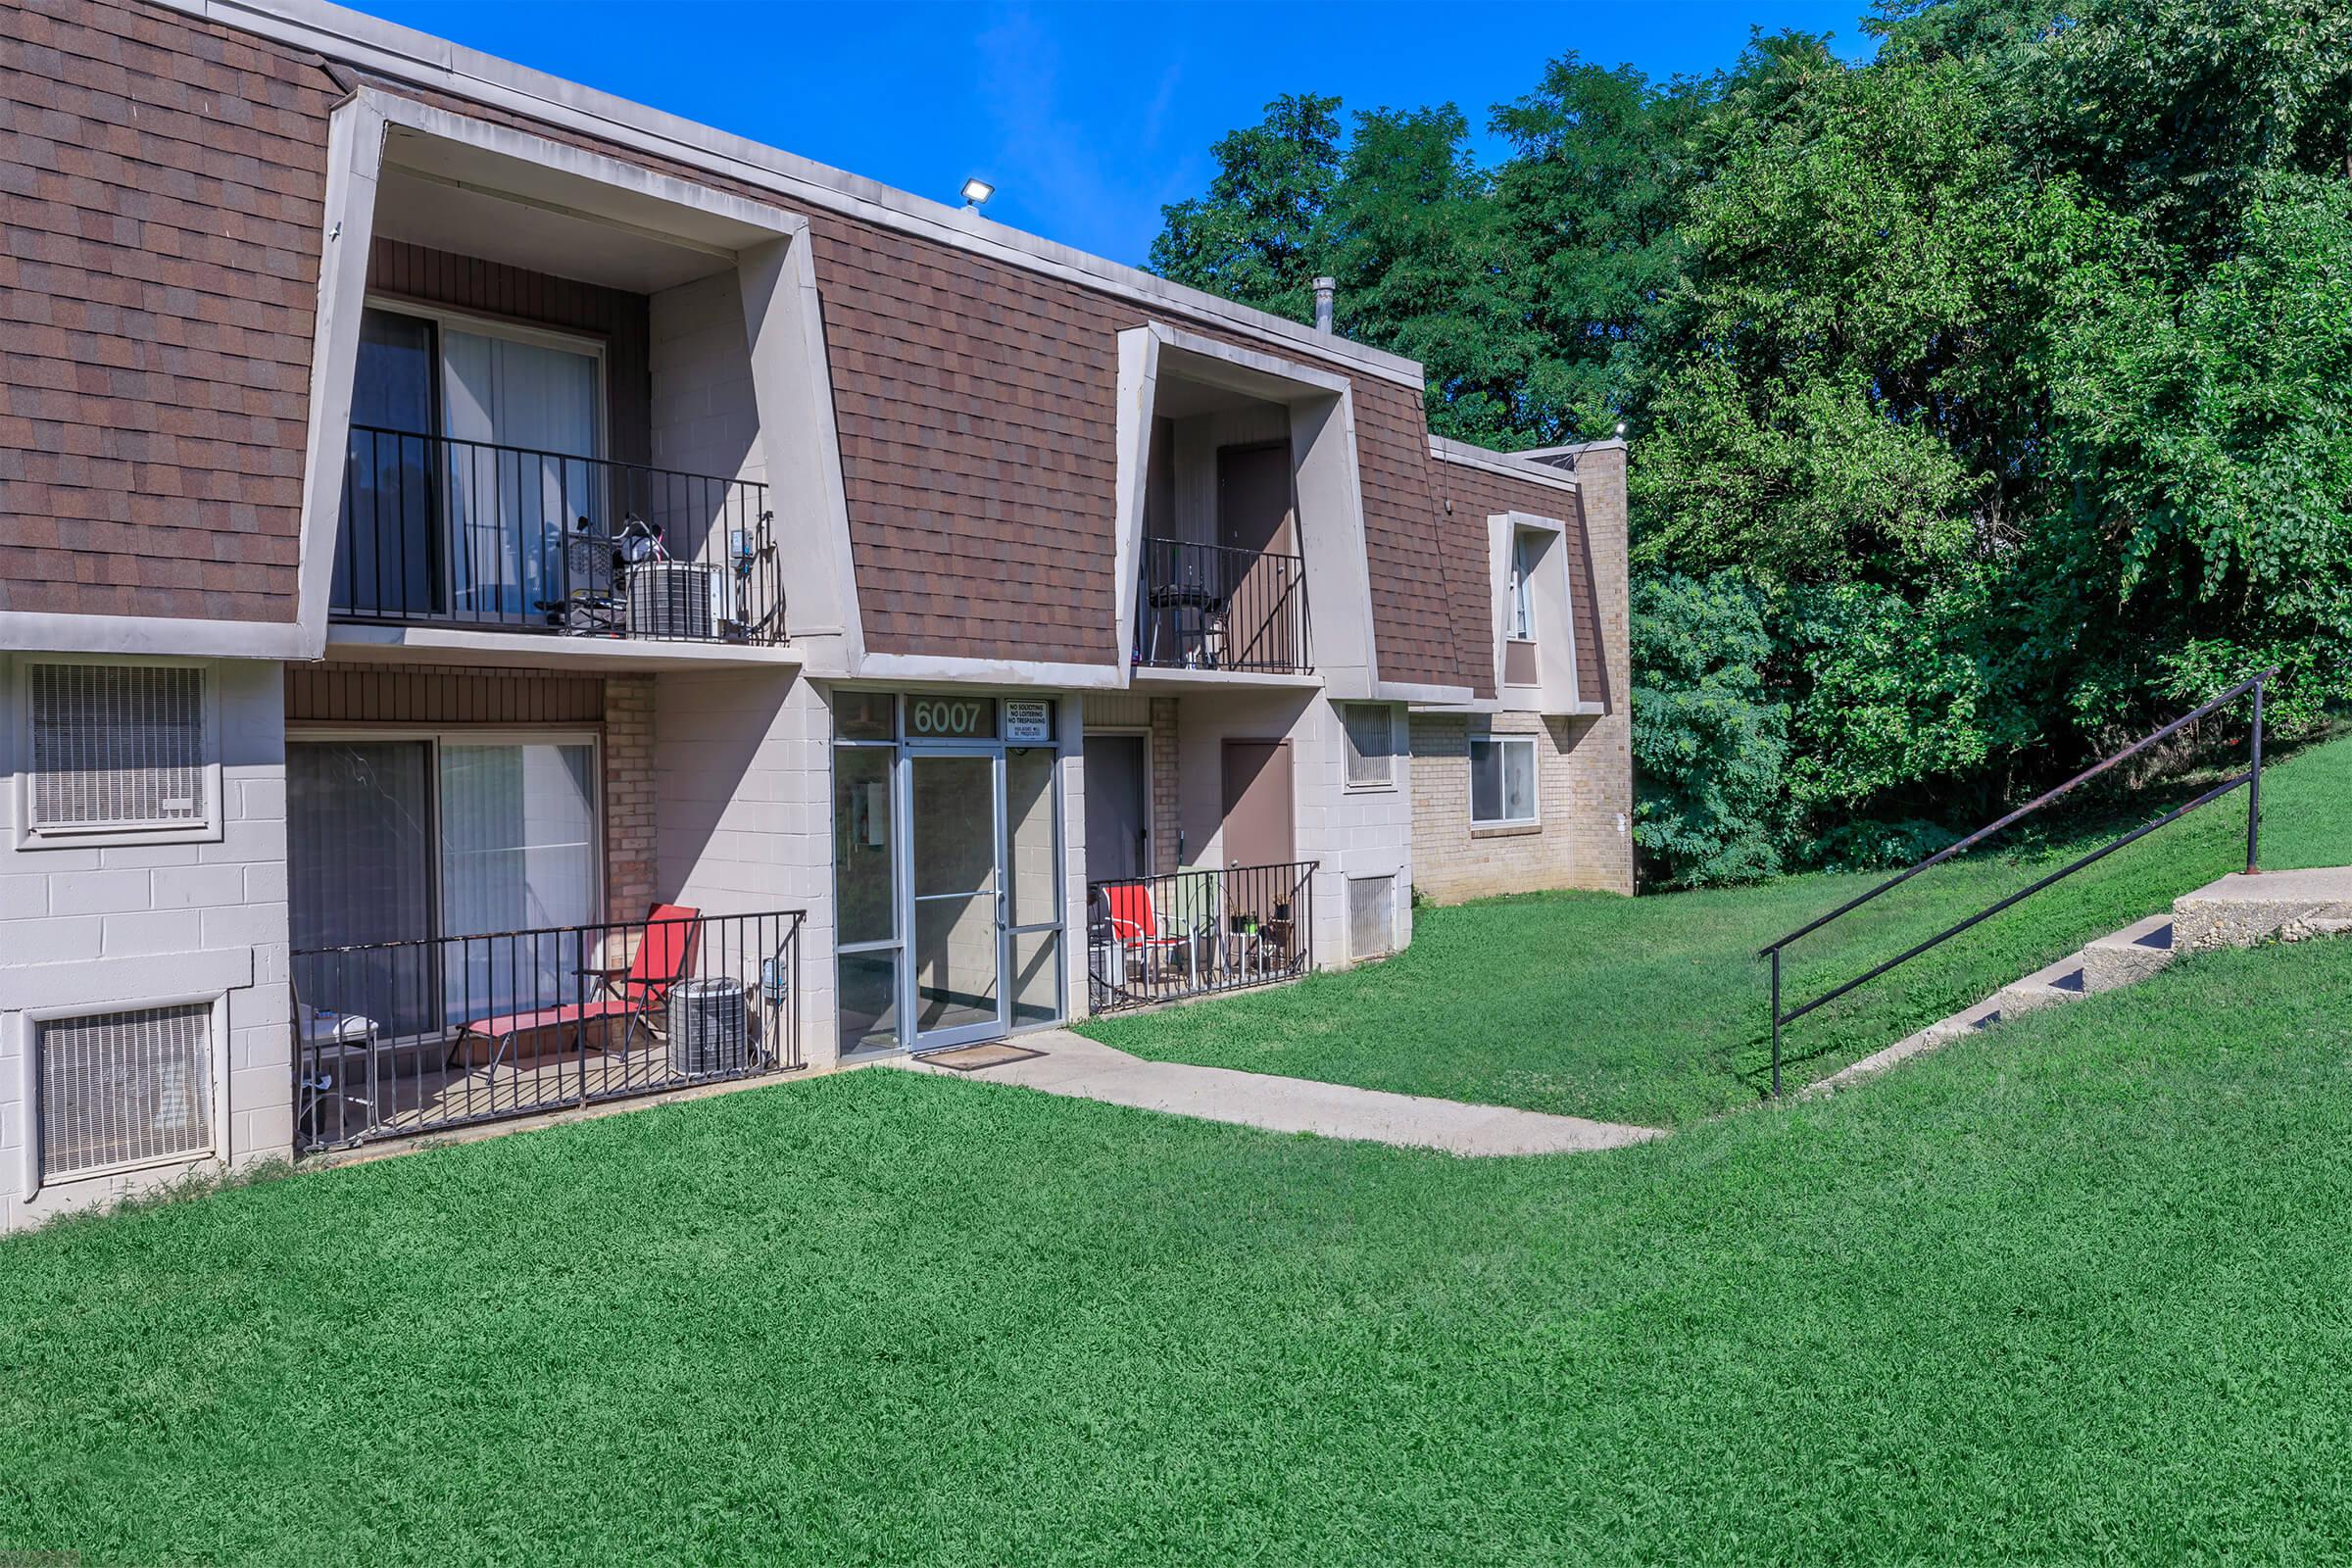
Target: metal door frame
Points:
(911, 1036)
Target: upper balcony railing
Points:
(1213, 607)
(443, 531)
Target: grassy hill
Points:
(1654, 1010)
(2073, 1291)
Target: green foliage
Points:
(1895, 701)
(1708, 744)
(2210, 437)
(1257, 236)
(2011, 373)
(2178, 111)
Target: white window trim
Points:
(1535, 783)
(28, 1048)
(1347, 751)
(1522, 590)
(208, 830)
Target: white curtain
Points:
(517, 854)
(510, 512)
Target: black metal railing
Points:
(1193, 933)
(2251, 779)
(469, 533)
(394, 1038)
(1213, 607)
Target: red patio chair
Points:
(1135, 925)
(665, 954)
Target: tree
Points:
(2209, 438)
(1258, 235)
(1708, 744)
(2175, 111)
(1587, 204)
(1848, 383)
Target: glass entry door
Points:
(958, 884)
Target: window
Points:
(119, 749)
(1371, 745)
(1371, 917)
(1525, 549)
(123, 1089)
(1502, 780)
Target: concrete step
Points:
(2235, 912)
(1967, 1021)
(2130, 956)
(2063, 981)
(1942, 1032)
(2240, 911)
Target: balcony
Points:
(1206, 606)
(475, 535)
(398, 1037)
(1199, 932)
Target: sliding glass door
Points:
(472, 455)
(517, 848)
(522, 416)
(410, 839)
(359, 863)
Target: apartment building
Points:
(517, 598)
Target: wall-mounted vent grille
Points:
(1371, 917)
(1371, 743)
(117, 745)
(124, 1088)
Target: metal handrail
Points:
(2251, 779)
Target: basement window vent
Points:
(122, 1089)
(117, 747)
(1371, 917)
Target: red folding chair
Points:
(665, 954)
(1135, 926)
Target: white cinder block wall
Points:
(744, 814)
(705, 420)
(1351, 833)
(1071, 721)
(101, 928)
(1360, 832)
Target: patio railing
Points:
(393, 1038)
(1194, 933)
(1213, 607)
(443, 531)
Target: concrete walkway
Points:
(1086, 1069)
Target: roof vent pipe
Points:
(1324, 289)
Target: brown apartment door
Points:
(1257, 517)
(1258, 803)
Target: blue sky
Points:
(1088, 116)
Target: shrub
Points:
(1708, 748)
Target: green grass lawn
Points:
(2077, 1290)
(1654, 1010)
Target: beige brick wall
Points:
(1167, 809)
(631, 842)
